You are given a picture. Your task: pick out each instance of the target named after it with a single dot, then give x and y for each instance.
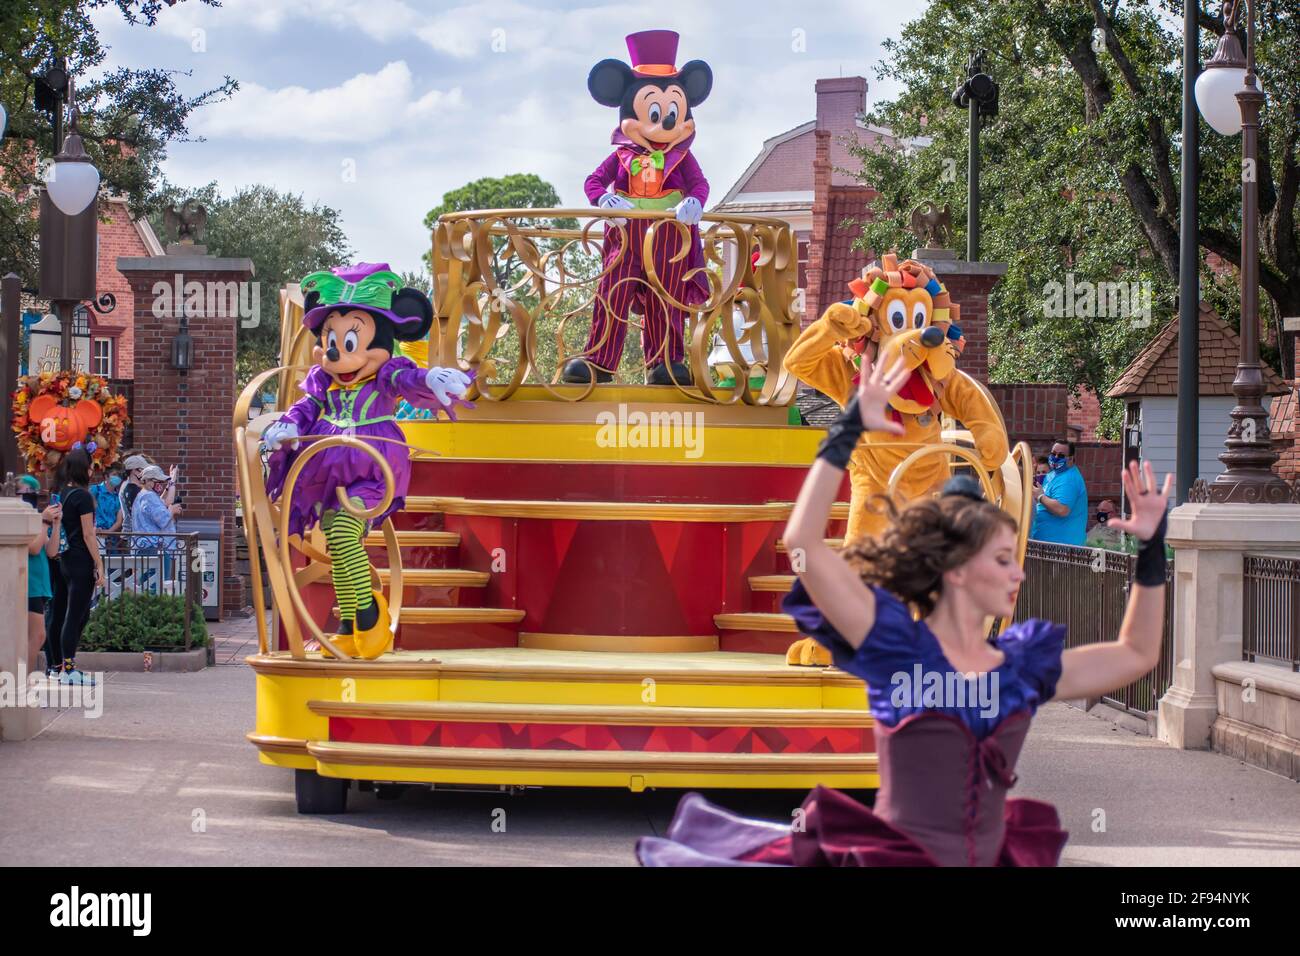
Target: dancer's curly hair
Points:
(923, 540)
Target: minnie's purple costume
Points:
(944, 771)
(364, 410)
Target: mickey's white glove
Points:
(278, 433)
(689, 211)
(446, 383)
(614, 201)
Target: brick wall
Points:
(1100, 462)
(184, 417)
(1282, 418)
(117, 238)
(820, 233)
(971, 292)
(1035, 413)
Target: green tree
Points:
(126, 117)
(1080, 168)
(284, 236)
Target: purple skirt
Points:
(347, 468)
(836, 831)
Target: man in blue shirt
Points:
(1061, 509)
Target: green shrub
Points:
(143, 622)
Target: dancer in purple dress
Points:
(952, 707)
(357, 314)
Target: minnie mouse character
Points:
(651, 168)
(357, 313)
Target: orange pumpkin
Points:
(63, 426)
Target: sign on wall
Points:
(44, 342)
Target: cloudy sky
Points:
(378, 107)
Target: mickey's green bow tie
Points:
(656, 160)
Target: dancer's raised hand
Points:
(1147, 503)
(875, 388)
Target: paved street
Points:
(168, 758)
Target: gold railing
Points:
(514, 291)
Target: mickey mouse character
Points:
(357, 313)
(651, 168)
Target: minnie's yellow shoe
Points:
(378, 640)
(346, 643)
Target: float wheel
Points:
(317, 794)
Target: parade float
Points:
(583, 584)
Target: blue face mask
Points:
(1057, 462)
(114, 481)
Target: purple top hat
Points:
(366, 285)
(653, 52)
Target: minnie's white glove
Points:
(278, 433)
(690, 211)
(446, 383)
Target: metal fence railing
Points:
(1270, 625)
(1086, 589)
(152, 564)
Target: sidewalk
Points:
(165, 776)
(234, 639)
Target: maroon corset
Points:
(947, 790)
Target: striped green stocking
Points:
(351, 567)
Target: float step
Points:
(456, 615)
(636, 770)
(830, 543)
(473, 712)
(755, 621)
(690, 511)
(437, 577)
(416, 539)
(779, 583)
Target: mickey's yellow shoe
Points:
(378, 640)
(808, 653)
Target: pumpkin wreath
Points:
(54, 412)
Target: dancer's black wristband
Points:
(1150, 567)
(842, 437)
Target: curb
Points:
(169, 662)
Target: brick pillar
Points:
(969, 285)
(180, 417)
(820, 226)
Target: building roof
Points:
(1155, 370)
(847, 209)
(817, 408)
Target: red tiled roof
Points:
(842, 262)
(1155, 370)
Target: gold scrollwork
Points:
(537, 273)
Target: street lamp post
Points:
(978, 94)
(1187, 454)
(1248, 455)
(69, 218)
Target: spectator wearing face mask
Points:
(1103, 534)
(1061, 501)
(134, 467)
(108, 501)
(154, 516)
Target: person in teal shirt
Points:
(40, 550)
(1061, 501)
(108, 504)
